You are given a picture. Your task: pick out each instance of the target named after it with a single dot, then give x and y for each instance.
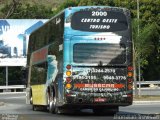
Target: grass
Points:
(147, 98)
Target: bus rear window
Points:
(93, 53)
(99, 21)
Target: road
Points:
(15, 107)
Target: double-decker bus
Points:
(82, 58)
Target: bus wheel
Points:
(59, 110)
(34, 107)
(52, 104)
(31, 100)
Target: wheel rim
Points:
(31, 100)
(52, 104)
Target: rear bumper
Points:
(105, 99)
(91, 106)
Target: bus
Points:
(82, 58)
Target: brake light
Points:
(130, 68)
(68, 66)
(130, 80)
(68, 79)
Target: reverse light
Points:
(68, 86)
(130, 86)
(68, 73)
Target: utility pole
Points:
(139, 66)
(6, 75)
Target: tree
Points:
(150, 51)
(17, 10)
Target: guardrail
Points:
(11, 88)
(148, 84)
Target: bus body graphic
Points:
(82, 57)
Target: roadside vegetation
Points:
(146, 46)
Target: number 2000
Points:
(97, 13)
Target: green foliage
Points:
(147, 45)
(149, 50)
(67, 3)
(149, 11)
(28, 11)
(2, 76)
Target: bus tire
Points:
(52, 102)
(59, 110)
(31, 98)
(52, 105)
(34, 107)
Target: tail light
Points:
(130, 68)
(130, 80)
(68, 73)
(130, 77)
(68, 67)
(130, 74)
(130, 86)
(68, 79)
(68, 86)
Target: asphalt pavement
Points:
(13, 106)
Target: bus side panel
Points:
(39, 94)
(56, 49)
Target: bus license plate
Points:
(100, 99)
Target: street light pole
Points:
(6, 75)
(139, 67)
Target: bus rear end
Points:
(98, 68)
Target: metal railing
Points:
(13, 88)
(148, 84)
(151, 88)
